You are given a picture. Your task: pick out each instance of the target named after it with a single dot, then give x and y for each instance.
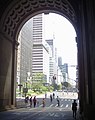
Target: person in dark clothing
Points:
(53, 95)
(51, 98)
(26, 101)
(58, 101)
(43, 102)
(45, 95)
(30, 101)
(74, 108)
(34, 101)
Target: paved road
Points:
(47, 113)
(50, 112)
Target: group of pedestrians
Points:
(52, 96)
(31, 100)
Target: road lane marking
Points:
(41, 105)
(66, 105)
(56, 105)
(51, 105)
(61, 105)
(51, 114)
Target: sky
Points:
(63, 33)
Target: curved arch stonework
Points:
(22, 10)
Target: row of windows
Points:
(39, 69)
(38, 28)
(37, 46)
(35, 54)
(37, 33)
(37, 20)
(37, 51)
(37, 58)
(37, 64)
(37, 37)
(37, 41)
(38, 24)
(35, 67)
(34, 59)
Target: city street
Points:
(51, 111)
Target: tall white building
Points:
(40, 56)
(52, 60)
(59, 76)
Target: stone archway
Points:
(21, 11)
(16, 14)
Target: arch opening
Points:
(35, 32)
(14, 19)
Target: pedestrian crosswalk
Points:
(64, 103)
(55, 105)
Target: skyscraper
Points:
(40, 56)
(52, 60)
(59, 61)
(24, 56)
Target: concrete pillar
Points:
(81, 80)
(88, 37)
(7, 70)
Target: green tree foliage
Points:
(38, 78)
(38, 85)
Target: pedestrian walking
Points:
(50, 97)
(58, 101)
(43, 102)
(45, 95)
(34, 101)
(26, 101)
(53, 95)
(30, 101)
(74, 108)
